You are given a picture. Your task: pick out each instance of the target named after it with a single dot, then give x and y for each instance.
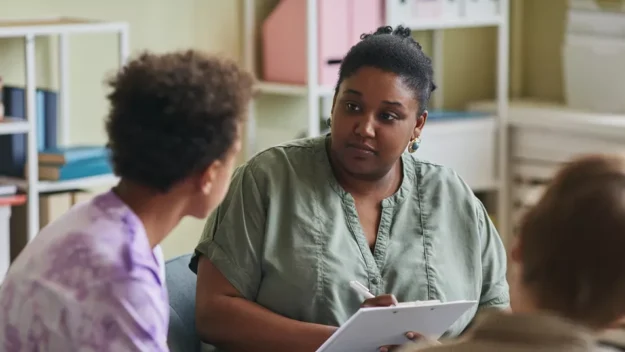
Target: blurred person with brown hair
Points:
(567, 269)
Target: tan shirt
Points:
(504, 332)
(614, 338)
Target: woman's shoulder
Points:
(300, 156)
(430, 175)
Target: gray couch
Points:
(182, 336)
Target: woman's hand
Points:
(410, 336)
(380, 301)
(389, 301)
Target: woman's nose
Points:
(365, 127)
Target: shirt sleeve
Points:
(495, 290)
(234, 234)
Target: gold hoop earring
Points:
(414, 144)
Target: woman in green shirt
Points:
(303, 219)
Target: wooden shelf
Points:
(10, 125)
(108, 180)
(548, 115)
(62, 27)
(56, 25)
(424, 25)
(81, 183)
(291, 89)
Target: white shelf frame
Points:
(9, 125)
(314, 92)
(62, 27)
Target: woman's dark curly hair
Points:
(393, 51)
(173, 115)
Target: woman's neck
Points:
(158, 212)
(379, 186)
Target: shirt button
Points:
(375, 281)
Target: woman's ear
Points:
(420, 124)
(516, 249)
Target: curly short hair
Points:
(396, 51)
(174, 114)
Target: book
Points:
(440, 115)
(80, 169)
(67, 155)
(13, 146)
(16, 199)
(7, 189)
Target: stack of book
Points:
(67, 163)
(13, 146)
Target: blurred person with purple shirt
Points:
(93, 279)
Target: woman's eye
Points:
(387, 117)
(352, 107)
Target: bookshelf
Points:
(61, 27)
(492, 178)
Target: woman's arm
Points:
(495, 290)
(225, 319)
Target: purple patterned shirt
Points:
(88, 282)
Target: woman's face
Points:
(374, 116)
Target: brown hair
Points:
(573, 242)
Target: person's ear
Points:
(420, 124)
(208, 177)
(619, 323)
(516, 249)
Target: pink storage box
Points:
(340, 24)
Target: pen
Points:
(360, 288)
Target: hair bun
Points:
(402, 31)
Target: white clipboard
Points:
(371, 328)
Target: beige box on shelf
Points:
(51, 207)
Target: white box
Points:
(5, 240)
(409, 11)
(597, 5)
(465, 145)
(604, 24)
(452, 9)
(477, 9)
(425, 9)
(594, 74)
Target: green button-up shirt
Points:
(287, 236)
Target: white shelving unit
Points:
(62, 27)
(311, 90)
(498, 179)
